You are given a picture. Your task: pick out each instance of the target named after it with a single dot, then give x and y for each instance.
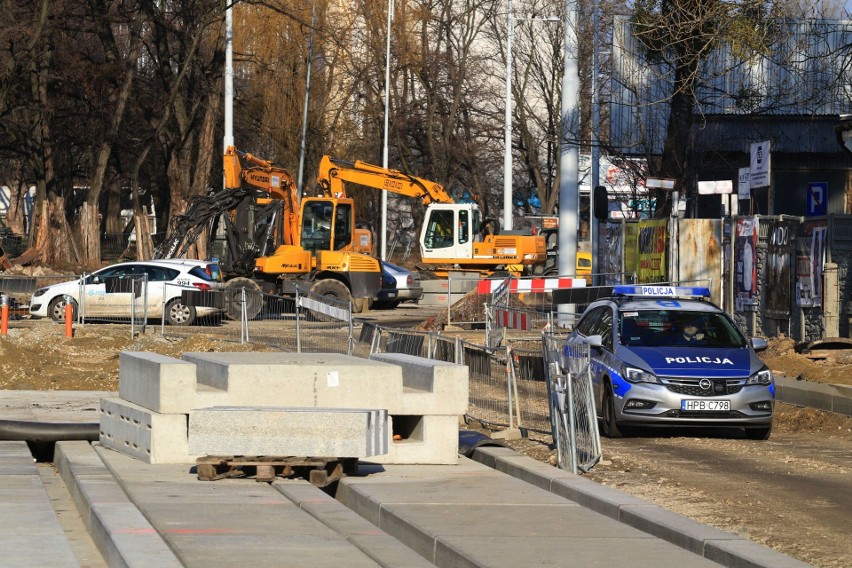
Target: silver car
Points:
(666, 356)
(400, 285)
(106, 296)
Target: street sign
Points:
(659, 183)
(817, 202)
(760, 166)
(713, 187)
(744, 186)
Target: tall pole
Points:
(569, 155)
(385, 146)
(307, 99)
(507, 135)
(229, 80)
(594, 224)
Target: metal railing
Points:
(572, 406)
(306, 323)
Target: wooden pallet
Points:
(319, 471)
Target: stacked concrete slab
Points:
(391, 409)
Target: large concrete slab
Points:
(144, 434)
(376, 543)
(726, 548)
(471, 515)
(31, 533)
(273, 431)
(328, 380)
(429, 439)
(431, 386)
(229, 521)
(163, 384)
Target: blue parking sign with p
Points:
(817, 199)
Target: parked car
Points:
(667, 356)
(107, 293)
(398, 285)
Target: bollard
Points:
(69, 316)
(4, 314)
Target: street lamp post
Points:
(507, 133)
(385, 146)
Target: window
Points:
(439, 229)
(342, 226)
(316, 225)
(464, 225)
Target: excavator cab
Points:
(327, 224)
(449, 230)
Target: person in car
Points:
(690, 334)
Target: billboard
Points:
(810, 255)
(745, 265)
(779, 268)
(652, 250)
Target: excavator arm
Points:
(270, 178)
(334, 174)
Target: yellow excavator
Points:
(268, 239)
(453, 236)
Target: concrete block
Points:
(429, 439)
(439, 298)
(430, 386)
(309, 380)
(144, 434)
(157, 382)
(270, 431)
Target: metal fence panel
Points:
(530, 389)
(488, 383)
(572, 409)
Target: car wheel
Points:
(610, 425)
(178, 313)
(758, 433)
(56, 309)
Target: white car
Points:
(108, 293)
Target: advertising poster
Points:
(810, 254)
(652, 251)
(631, 251)
(611, 256)
(779, 268)
(745, 263)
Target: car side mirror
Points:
(594, 340)
(759, 343)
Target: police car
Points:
(666, 355)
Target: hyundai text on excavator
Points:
(452, 235)
(268, 239)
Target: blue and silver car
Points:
(667, 356)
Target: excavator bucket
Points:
(233, 169)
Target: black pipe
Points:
(16, 430)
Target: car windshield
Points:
(672, 328)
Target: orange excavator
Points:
(268, 239)
(453, 236)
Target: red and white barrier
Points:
(530, 285)
(512, 320)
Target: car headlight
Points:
(635, 375)
(39, 292)
(762, 377)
